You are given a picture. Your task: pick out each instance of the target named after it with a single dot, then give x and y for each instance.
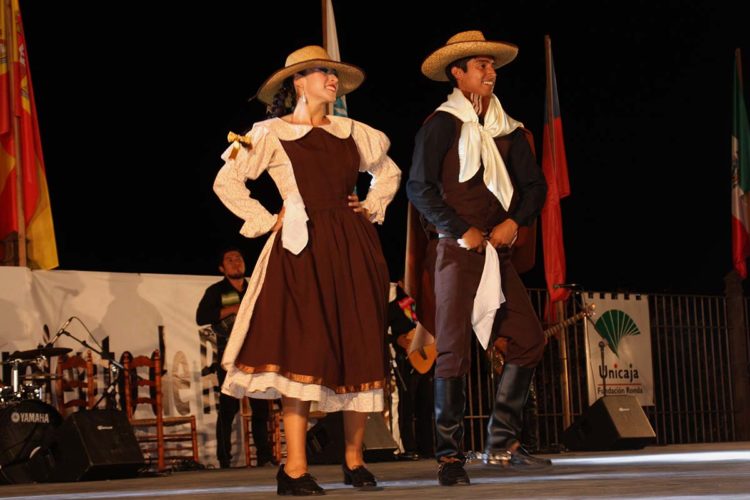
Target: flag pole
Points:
(563, 338)
(550, 100)
(15, 124)
(324, 17)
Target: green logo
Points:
(614, 325)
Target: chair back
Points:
(75, 374)
(142, 371)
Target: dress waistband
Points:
(326, 204)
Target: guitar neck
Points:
(559, 326)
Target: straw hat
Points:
(466, 44)
(312, 56)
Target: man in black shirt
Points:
(415, 401)
(475, 181)
(219, 307)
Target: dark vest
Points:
(471, 200)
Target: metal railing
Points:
(692, 382)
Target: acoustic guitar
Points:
(423, 358)
(496, 351)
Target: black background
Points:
(134, 106)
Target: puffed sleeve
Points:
(373, 148)
(248, 163)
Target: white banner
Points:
(623, 334)
(124, 312)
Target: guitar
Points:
(423, 358)
(496, 352)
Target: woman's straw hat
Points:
(312, 56)
(466, 44)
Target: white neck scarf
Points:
(476, 145)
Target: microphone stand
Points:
(603, 370)
(118, 367)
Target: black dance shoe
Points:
(304, 485)
(359, 477)
(516, 458)
(453, 474)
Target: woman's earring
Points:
(303, 98)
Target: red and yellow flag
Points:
(21, 149)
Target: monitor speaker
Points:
(611, 423)
(325, 440)
(95, 444)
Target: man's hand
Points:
(229, 310)
(504, 233)
(473, 239)
(403, 341)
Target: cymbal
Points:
(47, 352)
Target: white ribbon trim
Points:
(489, 297)
(294, 227)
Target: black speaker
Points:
(611, 423)
(379, 445)
(95, 444)
(325, 440)
(26, 430)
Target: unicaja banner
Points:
(621, 328)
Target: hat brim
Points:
(434, 66)
(350, 77)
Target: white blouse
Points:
(267, 153)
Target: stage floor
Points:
(718, 470)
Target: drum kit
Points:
(25, 417)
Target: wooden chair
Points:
(165, 435)
(274, 431)
(75, 374)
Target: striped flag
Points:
(331, 44)
(555, 168)
(740, 174)
(25, 212)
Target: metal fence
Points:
(692, 382)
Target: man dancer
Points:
(475, 181)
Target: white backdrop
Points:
(129, 311)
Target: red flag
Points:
(555, 168)
(21, 150)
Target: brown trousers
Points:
(457, 275)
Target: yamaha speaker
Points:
(611, 423)
(325, 440)
(95, 444)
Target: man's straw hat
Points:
(312, 56)
(466, 44)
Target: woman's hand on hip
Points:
(357, 206)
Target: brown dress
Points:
(320, 316)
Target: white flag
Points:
(331, 44)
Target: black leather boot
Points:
(504, 429)
(450, 405)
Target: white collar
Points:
(337, 126)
